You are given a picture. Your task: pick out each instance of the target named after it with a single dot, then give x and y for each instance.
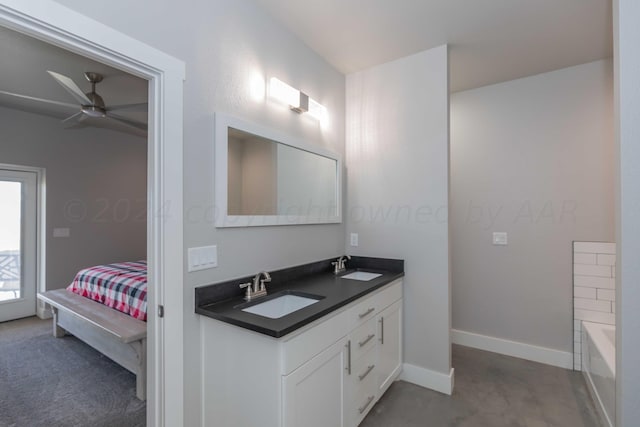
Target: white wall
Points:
(96, 185)
(230, 47)
(532, 157)
(626, 15)
(397, 174)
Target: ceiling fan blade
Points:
(138, 126)
(78, 117)
(44, 101)
(142, 107)
(71, 87)
(77, 121)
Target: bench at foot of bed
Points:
(118, 336)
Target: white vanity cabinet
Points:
(389, 345)
(376, 351)
(329, 373)
(313, 394)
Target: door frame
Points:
(66, 28)
(40, 223)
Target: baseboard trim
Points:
(427, 378)
(548, 356)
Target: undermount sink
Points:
(281, 306)
(361, 275)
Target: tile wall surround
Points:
(594, 269)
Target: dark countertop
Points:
(316, 279)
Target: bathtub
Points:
(599, 367)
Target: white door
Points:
(389, 345)
(314, 393)
(18, 231)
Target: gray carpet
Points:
(491, 390)
(47, 381)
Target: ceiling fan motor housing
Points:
(93, 77)
(97, 107)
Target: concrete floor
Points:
(491, 390)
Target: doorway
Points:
(53, 23)
(18, 242)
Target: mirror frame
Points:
(222, 218)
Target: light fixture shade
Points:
(296, 100)
(284, 93)
(303, 106)
(317, 110)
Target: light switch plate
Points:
(202, 258)
(500, 238)
(354, 239)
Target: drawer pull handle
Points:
(366, 313)
(369, 369)
(364, 407)
(366, 340)
(382, 330)
(348, 368)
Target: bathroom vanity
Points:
(325, 364)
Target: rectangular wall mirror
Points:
(267, 178)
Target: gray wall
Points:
(532, 157)
(95, 186)
(397, 173)
(626, 14)
(228, 47)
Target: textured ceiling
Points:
(490, 40)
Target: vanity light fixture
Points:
(284, 93)
(317, 110)
(296, 100)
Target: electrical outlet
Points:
(500, 238)
(354, 239)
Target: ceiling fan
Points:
(91, 104)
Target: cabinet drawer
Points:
(363, 339)
(363, 387)
(363, 311)
(361, 370)
(371, 305)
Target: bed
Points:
(106, 307)
(121, 286)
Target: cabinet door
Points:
(314, 393)
(389, 345)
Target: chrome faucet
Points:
(256, 288)
(339, 264)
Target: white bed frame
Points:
(117, 335)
